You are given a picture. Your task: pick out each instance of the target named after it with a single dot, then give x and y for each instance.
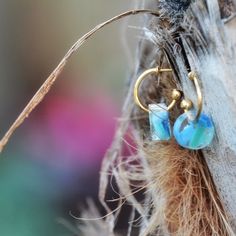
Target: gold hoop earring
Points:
(176, 94)
(193, 77)
(158, 113)
(194, 129)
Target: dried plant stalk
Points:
(44, 89)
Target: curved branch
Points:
(46, 86)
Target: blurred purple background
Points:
(51, 164)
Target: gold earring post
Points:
(186, 104)
(175, 94)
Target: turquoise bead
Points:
(159, 122)
(194, 134)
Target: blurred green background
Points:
(52, 162)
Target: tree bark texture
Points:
(203, 38)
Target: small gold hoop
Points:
(175, 94)
(193, 76)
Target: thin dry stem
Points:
(44, 89)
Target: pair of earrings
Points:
(193, 129)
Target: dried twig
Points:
(46, 86)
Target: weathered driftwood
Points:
(199, 37)
(217, 71)
(214, 60)
(219, 84)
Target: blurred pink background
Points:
(52, 162)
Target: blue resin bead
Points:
(159, 122)
(194, 134)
